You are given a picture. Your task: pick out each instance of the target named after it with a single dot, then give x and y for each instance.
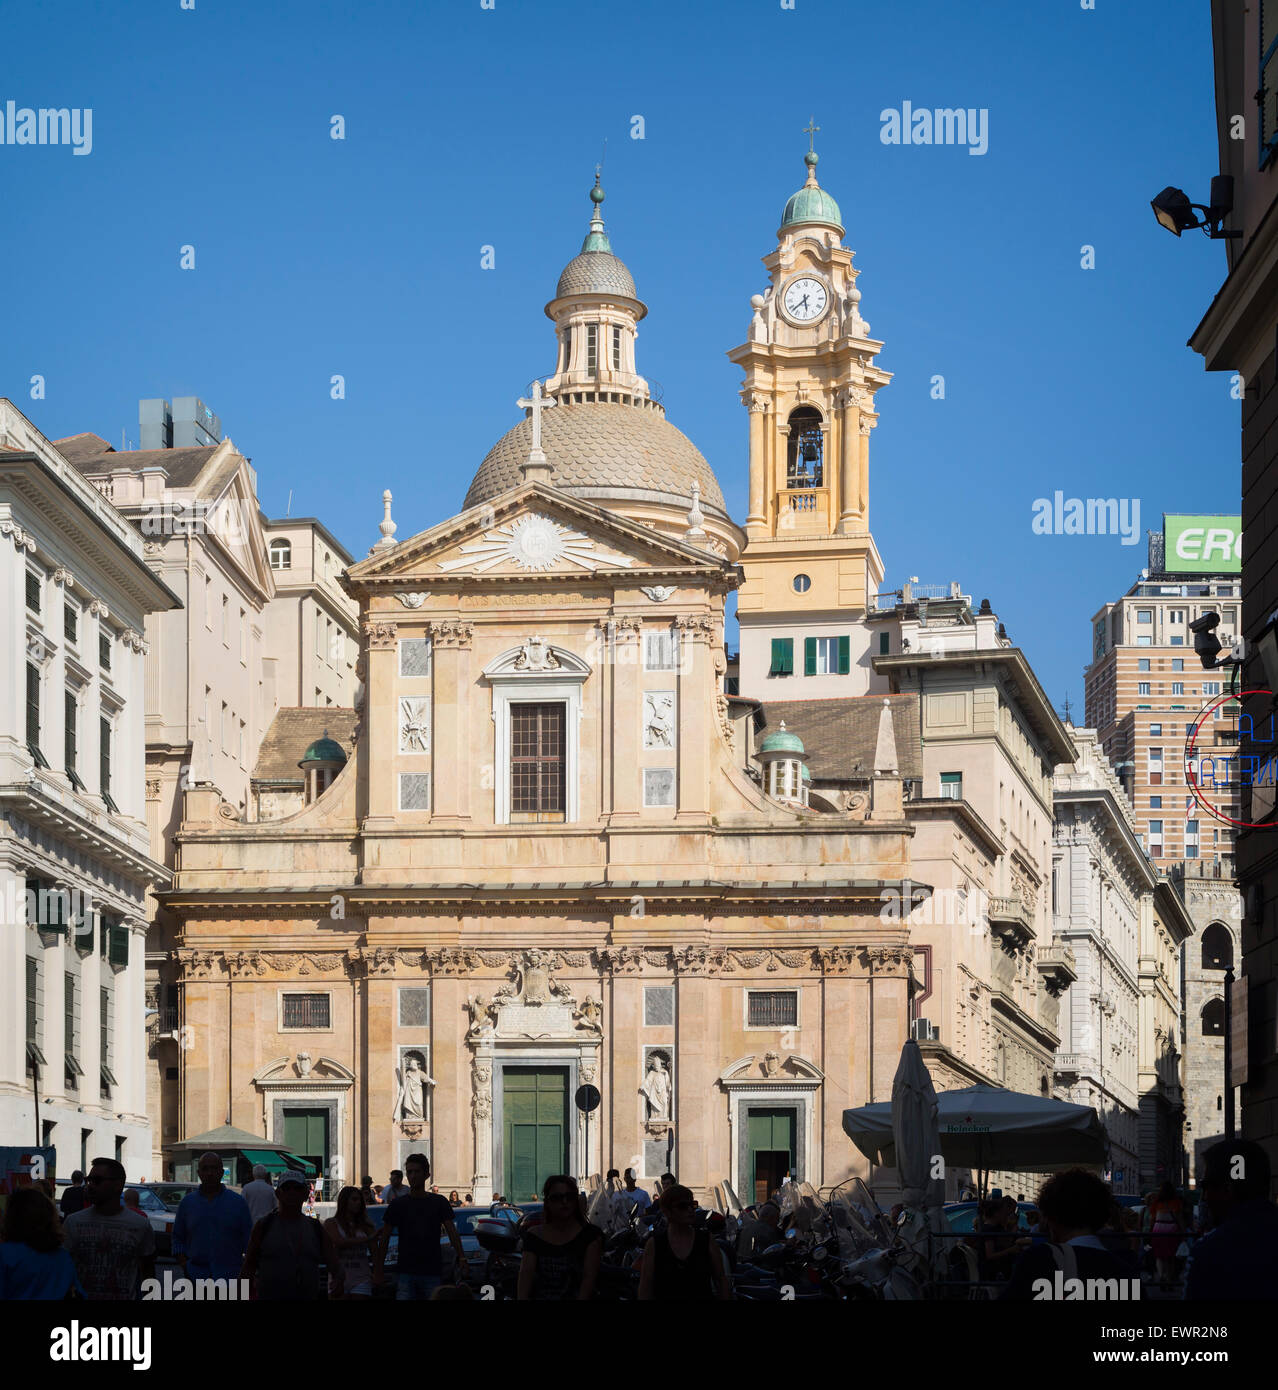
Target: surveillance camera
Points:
(1206, 643)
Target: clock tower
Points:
(810, 563)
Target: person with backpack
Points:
(287, 1248)
(1074, 1206)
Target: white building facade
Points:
(75, 862)
(1100, 875)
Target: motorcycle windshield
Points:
(803, 1212)
(603, 1209)
(729, 1202)
(859, 1224)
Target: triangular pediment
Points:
(532, 532)
(234, 521)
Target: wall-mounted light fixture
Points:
(1175, 212)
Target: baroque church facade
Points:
(545, 871)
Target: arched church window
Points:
(1218, 948)
(804, 459)
(1213, 1018)
(281, 555)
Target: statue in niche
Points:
(410, 1100)
(656, 1088)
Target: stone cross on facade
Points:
(537, 465)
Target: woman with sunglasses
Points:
(560, 1256)
(681, 1263)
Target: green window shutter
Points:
(788, 655)
(884, 644)
(119, 948)
(46, 906)
(809, 656)
(845, 655)
(782, 657)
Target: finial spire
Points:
(387, 527)
(810, 159)
(596, 237)
(696, 531)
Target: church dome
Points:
(603, 450)
(596, 272)
(595, 269)
(811, 203)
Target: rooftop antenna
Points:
(124, 443)
(1067, 707)
(288, 511)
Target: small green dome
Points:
(323, 750)
(812, 204)
(783, 741)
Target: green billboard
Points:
(1202, 544)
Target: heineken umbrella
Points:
(984, 1127)
(915, 1130)
(916, 1142)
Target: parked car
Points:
(158, 1202)
(464, 1219)
(961, 1216)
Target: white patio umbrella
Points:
(916, 1137)
(984, 1127)
(916, 1142)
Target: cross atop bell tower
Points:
(809, 389)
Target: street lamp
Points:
(1174, 211)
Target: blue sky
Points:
(468, 127)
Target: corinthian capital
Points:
(380, 635)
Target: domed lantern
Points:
(320, 764)
(785, 777)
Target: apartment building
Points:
(312, 637)
(76, 860)
(261, 622)
(1145, 691)
(1157, 713)
(1101, 877)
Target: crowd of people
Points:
(101, 1247)
(1227, 1248)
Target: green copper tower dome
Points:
(812, 203)
(783, 741)
(323, 750)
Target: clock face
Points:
(805, 299)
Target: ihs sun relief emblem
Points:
(532, 543)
